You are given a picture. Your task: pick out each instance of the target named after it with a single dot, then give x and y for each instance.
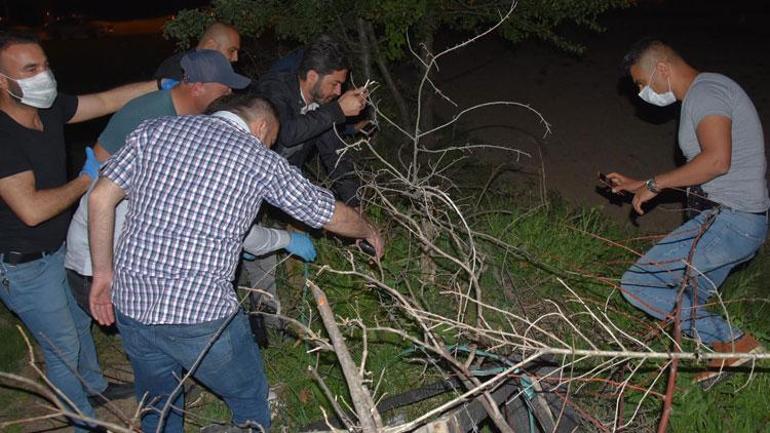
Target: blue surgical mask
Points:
(652, 97)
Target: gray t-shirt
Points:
(744, 186)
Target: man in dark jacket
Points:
(310, 103)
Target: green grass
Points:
(548, 242)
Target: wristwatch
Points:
(652, 186)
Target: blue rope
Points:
(526, 382)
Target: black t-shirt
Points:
(44, 153)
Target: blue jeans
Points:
(232, 368)
(39, 294)
(653, 282)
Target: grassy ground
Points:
(578, 244)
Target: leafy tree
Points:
(380, 31)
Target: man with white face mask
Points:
(34, 200)
(721, 136)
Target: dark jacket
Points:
(303, 134)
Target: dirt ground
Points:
(597, 123)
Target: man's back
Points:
(195, 184)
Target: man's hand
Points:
(376, 241)
(100, 300)
(353, 101)
(301, 246)
(92, 165)
(636, 187)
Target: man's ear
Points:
(312, 77)
(259, 129)
(197, 89)
(663, 68)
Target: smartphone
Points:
(369, 129)
(367, 248)
(604, 179)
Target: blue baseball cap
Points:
(210, 66)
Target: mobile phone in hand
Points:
(367, 248)
(604, 179)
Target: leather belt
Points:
(17, 258)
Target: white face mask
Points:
(37, 91)
(652, 97)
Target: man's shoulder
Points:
(153, 101)
(710, 82)
(277, 81)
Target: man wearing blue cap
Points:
(208, 75)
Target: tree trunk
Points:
(398, 98)
(364, 52)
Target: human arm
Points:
(315, 206)
(714, 137)
(101, 153)
(261, 240)
(101, 216)
(348, 222)
(99, 104)
(34, 206)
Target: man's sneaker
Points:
(114, 391)
(717, 367)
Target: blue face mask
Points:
(659, 99)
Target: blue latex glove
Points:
(168, 83)
(92, 165)
(301, 246)
(248, 256)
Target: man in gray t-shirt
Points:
(721, 137)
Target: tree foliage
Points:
(393, 20)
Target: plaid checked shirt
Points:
(194, 185)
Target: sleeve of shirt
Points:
(121, 166)
(13, 160)
(68, 105)
(262, 240)
(295, 195)
(120, 125)
(710, 99)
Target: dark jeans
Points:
(232, 367)
(81, 289)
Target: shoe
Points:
(114, 391)
(716, 367)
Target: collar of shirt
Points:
(239, 122)
(305, 105)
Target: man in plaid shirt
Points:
(195, 184)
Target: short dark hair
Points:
(324, 55)
(637, 50)
(8, 38)
(249, 106)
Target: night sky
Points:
(31, 12)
